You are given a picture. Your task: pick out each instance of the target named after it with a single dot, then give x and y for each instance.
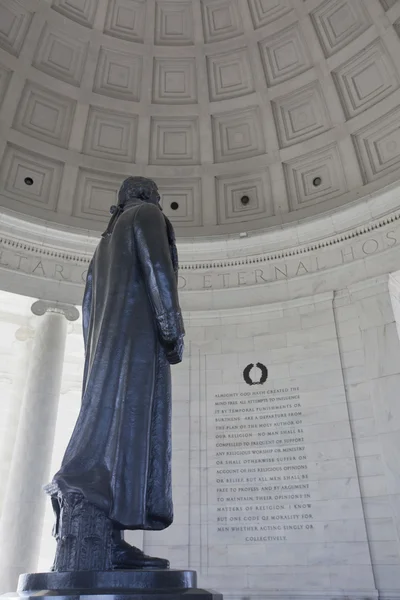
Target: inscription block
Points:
(273, 473)
(264, 466)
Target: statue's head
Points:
(144, 189)
(138, 187)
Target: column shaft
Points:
(22, 351)
(24, 503)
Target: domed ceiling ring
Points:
(52, 263)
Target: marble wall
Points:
(292, 484)
(370, 350)
(285, 442)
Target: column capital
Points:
(41, 307)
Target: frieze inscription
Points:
(42, 267)
(283, 270)
(69, 271)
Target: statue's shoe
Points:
(125, 556)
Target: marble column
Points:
(21, 351)
(24, 502)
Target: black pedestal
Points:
(112, 585)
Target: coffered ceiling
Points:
(247, 113)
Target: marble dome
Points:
(249, 114)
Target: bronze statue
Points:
(116, 471)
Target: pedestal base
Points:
(144, 584)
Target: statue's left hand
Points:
(174, 351)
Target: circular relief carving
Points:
(263, 374)
(174, 205)
(28, 181)
(244, 200)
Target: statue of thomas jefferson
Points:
(116, 471)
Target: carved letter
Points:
(181, 282)
(1, 261)
(207, 282)
(84, 275)
(301, 266)
(346, 252)
(391, 237)
(259, 273)
(374, 246)
(21, 258)
(59, 269)
(242, 281)
(284, 273)
(225, 279)
(39, 266)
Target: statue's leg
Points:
(125, 556)
(88, 541)
(84, 536)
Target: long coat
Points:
(119, 455)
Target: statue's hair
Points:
(143, 189)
